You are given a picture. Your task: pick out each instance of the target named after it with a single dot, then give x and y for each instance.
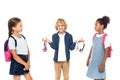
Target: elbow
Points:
(15, 57)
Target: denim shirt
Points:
(69, 45)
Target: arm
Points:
(107, 46)
(72, 44)
(101, 67)
(28, 57)
(105, 56)
(88, 60)
(51, 43)
(18, 59)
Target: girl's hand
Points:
(101, 68)
(27, 66)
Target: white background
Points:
(39, 17)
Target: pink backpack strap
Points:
(94, 36)
(103, 39)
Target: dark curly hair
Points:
(104, 21)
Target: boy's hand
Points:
(46, 40)
(81, 40)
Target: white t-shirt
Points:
(61, 50)
(21, 47)
(107, 41)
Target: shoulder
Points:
(106, 36)
(12, 41)
(68, 34)
(11, 38)
(55, 35)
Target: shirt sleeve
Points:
(11, 44)
(107, 42)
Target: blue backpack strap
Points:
(14, 40)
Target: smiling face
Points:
(61, 26)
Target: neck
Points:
(16, 34)
(100, 32)
(62, 32)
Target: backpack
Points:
(7, 52)
(103, 40)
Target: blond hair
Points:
(62, 21)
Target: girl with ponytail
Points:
(20, 63)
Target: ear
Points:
(102, 26)
(13, 28)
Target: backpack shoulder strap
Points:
(103, 39)
(94, 36)
(14, 40)
(23, 36)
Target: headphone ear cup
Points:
(80, 47)
(83, 46)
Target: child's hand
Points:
(28, 63)
(101, 68)
(79, 40)
(27, 66)
(46, 39)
